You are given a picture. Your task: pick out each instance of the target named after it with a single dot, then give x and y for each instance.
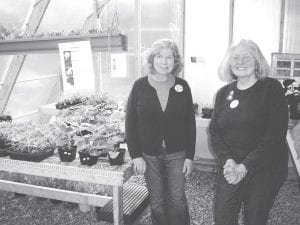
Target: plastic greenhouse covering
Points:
(39, 81)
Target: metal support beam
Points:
(282, 27)
(91, 21)
(138, 46)
(231, 22)
(98, 9)
(31, 26)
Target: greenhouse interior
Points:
(73, 78)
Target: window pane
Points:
(285, 73)
(283, 64)
(297, 64)
(296, 73)
(13, 13)
(292, 24)
(160, 19)
(252, 18)
(206, 41)
(26, 97)
(65, 15)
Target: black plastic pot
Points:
(119, 159)
(67, 154)
(86, 158)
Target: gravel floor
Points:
(200, 191)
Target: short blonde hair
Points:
(262, 68)
(155, 48)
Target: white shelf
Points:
(99, 42)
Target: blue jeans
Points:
(165, 182)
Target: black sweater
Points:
(253, 132)
(147, 125)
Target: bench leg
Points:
(118, 205)
(84, 207)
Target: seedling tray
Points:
(29, 157)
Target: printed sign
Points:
(77, 67)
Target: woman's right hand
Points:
(234, 172)
(139, 165)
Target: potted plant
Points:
(116, 157)
(66, 148)
(86, 157)
(65, 141)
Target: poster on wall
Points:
(77, 67)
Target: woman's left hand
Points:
(187, 167)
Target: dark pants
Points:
(257, 193)
(165, 182)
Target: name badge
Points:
(178, 88)
(234, 103)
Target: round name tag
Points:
(234, 103)
(178, 88)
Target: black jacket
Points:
(252, 132)
(147, 125)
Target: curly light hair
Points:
(154, 50)
(262, 68)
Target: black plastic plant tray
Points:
(30, 157)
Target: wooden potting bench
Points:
(101, 173)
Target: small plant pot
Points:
(116, 157)
(86, 158)
(207, 112)
(67, 154)
(6, 118)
